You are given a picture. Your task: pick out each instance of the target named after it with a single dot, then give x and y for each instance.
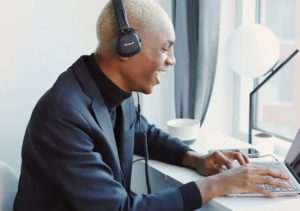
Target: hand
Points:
(214, 162)
(246, 178)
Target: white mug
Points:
(263, 142)
(186, 130)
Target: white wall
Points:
(39, 39)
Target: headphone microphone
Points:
(128, 42)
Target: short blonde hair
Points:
(143, 15)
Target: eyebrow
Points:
(170, 43)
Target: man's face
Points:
(156, 55)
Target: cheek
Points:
(155, 60)
(152, 53)
(148, 61)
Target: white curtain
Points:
(196, 48)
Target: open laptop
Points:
(290, 166)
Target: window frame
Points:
(286, 47)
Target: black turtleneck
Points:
(113, 95)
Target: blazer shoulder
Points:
(66, 92)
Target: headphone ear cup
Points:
(128, 43)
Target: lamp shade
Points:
(252, 50)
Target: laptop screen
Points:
(292, 159)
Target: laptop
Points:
(290, 166)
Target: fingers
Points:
(246, 158)
(270, 178)
(221, 159)
(249, 178)
(272, 173)
(264, 191)
(239, 156)
(273, 182)
(268, 172)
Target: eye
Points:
(164, 50)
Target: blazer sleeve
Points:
(62, 144)
(161, 146)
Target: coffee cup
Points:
(186, 130)
(264, 142)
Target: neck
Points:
(111, 67)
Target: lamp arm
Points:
(273, 72)
(250, 118)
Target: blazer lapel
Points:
(126, 142)
(98, 105)
(104, 121)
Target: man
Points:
(78, 147)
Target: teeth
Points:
(162, 72)
(159, 74)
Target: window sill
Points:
(281, 147)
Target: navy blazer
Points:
(70, 160)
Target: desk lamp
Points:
(253, 51)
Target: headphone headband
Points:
(120, 14)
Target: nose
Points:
(171, 58)
(171, 61)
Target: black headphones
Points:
(128, 41)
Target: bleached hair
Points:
(143, 15)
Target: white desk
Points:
(174, 175)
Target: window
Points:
(278, 102)
(245, 14)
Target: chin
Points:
(146, 90)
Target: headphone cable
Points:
(145, 146)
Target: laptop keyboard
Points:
(279, 168)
